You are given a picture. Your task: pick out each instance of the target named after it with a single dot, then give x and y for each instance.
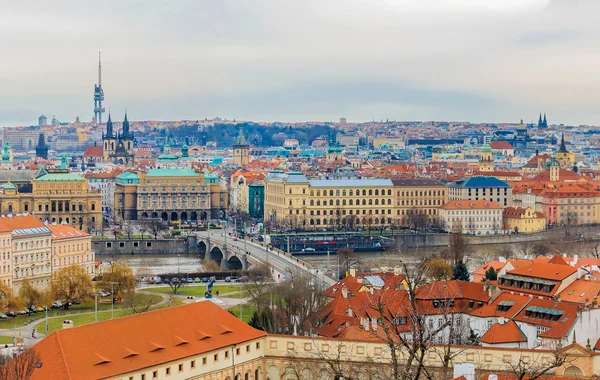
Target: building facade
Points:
(523, 220)
(240, 150)
(291, 198)
(418, 196)
(472, 217)
(118, 146)
(482, 188)
(56, 196)
(175, 195)
(71, 246)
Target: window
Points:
(168, 370)
(204, 361)
(180, 367)
(237, 351)
(193, 364)
(143, 376)
(216, 358)
(258, 345)
(248, 348)
(155, 374)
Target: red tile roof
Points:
(547, 271)
(63, 231)
(506, 333)
(94, 151)
(464, 205)
(500, 145)
(115, 347)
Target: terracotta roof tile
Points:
(504, 333)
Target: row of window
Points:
(343, 192)
(343, 202)
(69, 247)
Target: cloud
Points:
(404, 59)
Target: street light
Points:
(112, 294)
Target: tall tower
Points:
(98, 94)
(240, 150)
(486, 161)
(41, 150)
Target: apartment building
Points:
(71, 246)
(472, 217)
(482, 188)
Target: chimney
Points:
(371, 290)
(575, 259)
(493, 291)
(344, 292)
(349, 311)
(352, 272)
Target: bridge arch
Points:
(216, 255)
(202, 249)
(234, 263)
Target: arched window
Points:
(370, 202)
(337, 202)
(364, 192)
(324, 221)
(389, 191)
(364, 202)
(344, 202)
(331, 202)
(337, 193)
(370, 192)
(312, 193)
(318, 202)
(376, 192)
(343, 193)
(350, 202)
(376, 201)
(312, 203)
(331, 193)
(351, 193)
(389, 201)
(318, 193)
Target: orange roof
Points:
(506, 333)
(581, 291)
(94, 151)
(462, 205)
(505, 305)
(115, 347)
(63, 231)
(20, 222)
(558, 328)
(548, 271)
(500, 145)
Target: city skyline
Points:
(304, 61)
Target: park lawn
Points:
(246, 309)
(6, 339)
(78, 320)
(237, 295)
(196, 290)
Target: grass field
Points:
(78, 320)
(247, 311)
(198, 290)
(6, 339)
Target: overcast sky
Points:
(294, 60)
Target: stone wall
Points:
(184, 245)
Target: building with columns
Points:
(172, 194)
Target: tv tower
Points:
(98, 94)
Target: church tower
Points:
(109, 140)
(486, 160)
(540, 122)
(565, 159)
(127, 136)
(41, 149)
(240, 150)
(554, 171)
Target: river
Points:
(158, 264)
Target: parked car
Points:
(102, 294)
(227, 279)
(158, 281)
(242, 279)
(11, 314)
(167, 282)
(183, 279)
(41, 308)
(204, 279)
(152, 282)
(190, 280)
(235, 239)
(174, 280)
(57, 305)
(3, 316)
(32, 309)
(197, 279)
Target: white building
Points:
(472, 217)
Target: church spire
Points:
(545, 121)
(125, 133)
(540, 122)
(109, 126)
(563, 147)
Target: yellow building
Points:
(56, 196)
(71, 246)
(523, 220)
(292, 199)
(565, 159)
(418, 196)
(172, 194)
(389, 142)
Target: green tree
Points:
(438, 269)
(491, 274)
(460, 272)
(72, 283)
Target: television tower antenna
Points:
(98, 94)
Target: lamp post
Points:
(112, 294)
(96, 309)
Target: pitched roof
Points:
(547, 271)
(23, 225)
(94, 151)
(500, 145)
(581, 291)
(506, 333)
(480, 182)
(63, 231)
(466, 205)
(118, 346)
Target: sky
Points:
(302, 60)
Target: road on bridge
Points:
(278, 260)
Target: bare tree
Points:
(144, 227)
(538, 366)
(21, 366)
(128, 228)
(175, 284)
(348, 259)
(141, 302)
(259, 286)
(458, 246)
(115, 225)
(155, 227)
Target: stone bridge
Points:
(229, 258)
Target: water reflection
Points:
(157, 264)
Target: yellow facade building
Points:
(5, 257)
(565, 159)
(56, 196)
(292, 199)
(523, 220)
(418, 196)
(71, 246)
